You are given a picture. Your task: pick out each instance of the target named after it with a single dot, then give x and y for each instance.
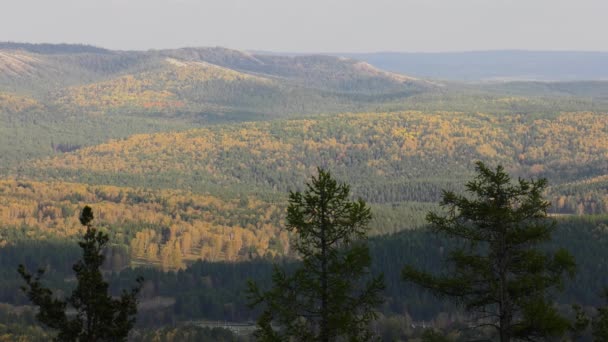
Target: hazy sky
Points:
(312, 25)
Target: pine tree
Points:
(331, 295)
(500, 273)
(97, 315)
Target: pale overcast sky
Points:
(312, 25)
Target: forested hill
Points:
(190, 84)
(57, 98)
(219, 192)
(387, 157)
(30, 67)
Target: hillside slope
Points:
(76, 95)
(22, 66)
(387, 157)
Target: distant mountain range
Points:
(73, 95)
(494, 65)
(33, 67)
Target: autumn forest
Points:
(190, 158)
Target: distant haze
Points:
(312, 25)
(494, 65)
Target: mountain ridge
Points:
(234, 59)
(49, 71)
(494, 65)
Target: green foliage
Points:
(331, 294)
(48, 90)
(98, 316)
(500, 273)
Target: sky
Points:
(311, 25)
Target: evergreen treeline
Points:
(207, 290)
(215, 290)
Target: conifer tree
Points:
(500, 273)
(96, 316)
(331, 295)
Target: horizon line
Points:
(287, 52)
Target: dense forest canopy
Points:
(187, 157)
(389, 157)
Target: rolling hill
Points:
(388, 157)
(194, 81)
(219, 192)
(78, 95)
(23, 65)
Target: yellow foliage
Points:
(196, 225)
